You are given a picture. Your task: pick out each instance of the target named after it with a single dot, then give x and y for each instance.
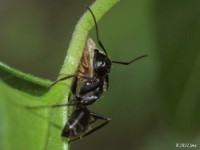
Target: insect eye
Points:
(101, 64)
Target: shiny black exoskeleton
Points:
(97, 83)
(79, 124)
(93, 76)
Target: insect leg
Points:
(66, 77)
(61, 79)
(71, 103)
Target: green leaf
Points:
(39, 129)
(22, 127)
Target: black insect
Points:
(89, 83)
(93, 72)
(79, 123)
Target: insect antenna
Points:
(97, 31)
(127, 63)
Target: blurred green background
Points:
(155, 103)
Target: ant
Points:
(93, 75)
(93, 71)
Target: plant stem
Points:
(80, 35)
(76, 47)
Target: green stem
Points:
(80, 35)
(18, 90)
